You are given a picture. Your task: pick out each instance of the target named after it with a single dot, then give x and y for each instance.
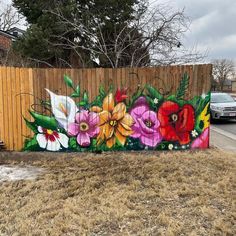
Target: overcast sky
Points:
(213, 26)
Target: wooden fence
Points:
(22, 87)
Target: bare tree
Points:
(152, 38)
(223, 69)
(9, 58)
(9, 17)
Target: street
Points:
(228, 126)
(223, 135)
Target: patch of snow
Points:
(13, 173)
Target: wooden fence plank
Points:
(5, 109)
(10, 85)
(18, 111)
(2, 135)
(14, 114)
(23, 81)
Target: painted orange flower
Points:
(114, 122)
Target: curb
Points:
(225, 133)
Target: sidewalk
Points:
(222, 139)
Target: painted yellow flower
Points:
(114, 122)
(204, 118)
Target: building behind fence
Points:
(133, 108)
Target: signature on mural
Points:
(113, 121)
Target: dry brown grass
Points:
(175, 193)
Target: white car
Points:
(222, 106)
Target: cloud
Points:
(213, 26)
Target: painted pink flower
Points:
(202, 141)
(85, 127)
(146, 126)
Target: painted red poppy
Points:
(176, 122)
(121, 95)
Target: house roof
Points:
(16, 29)
(228, 82)
(6, 34)
(11, 33)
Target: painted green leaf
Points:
(134, 144)
(164, 145)
(183, 86)
(136, 95)
(75, 95)
(31, 144)
(68, 81)
(102, 91)
(154, 93)
(47, 122)
(31, 125)
(151, 103)
(99, 99)
(195, 101)
(179, 101)
(82, 103)
(94, 142)
(111, 88)
(73, 143)
(77, 90)
(118, 143)
(46, 103)
(93, 146)
(202, 103)
(85, 97)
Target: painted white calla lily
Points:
(63, 109)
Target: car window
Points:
(221, 98)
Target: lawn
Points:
(134, 193)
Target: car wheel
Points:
(212, 120)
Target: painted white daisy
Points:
(194, 133)
(155, 100)
(170, 146)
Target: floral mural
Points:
(147, 120)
